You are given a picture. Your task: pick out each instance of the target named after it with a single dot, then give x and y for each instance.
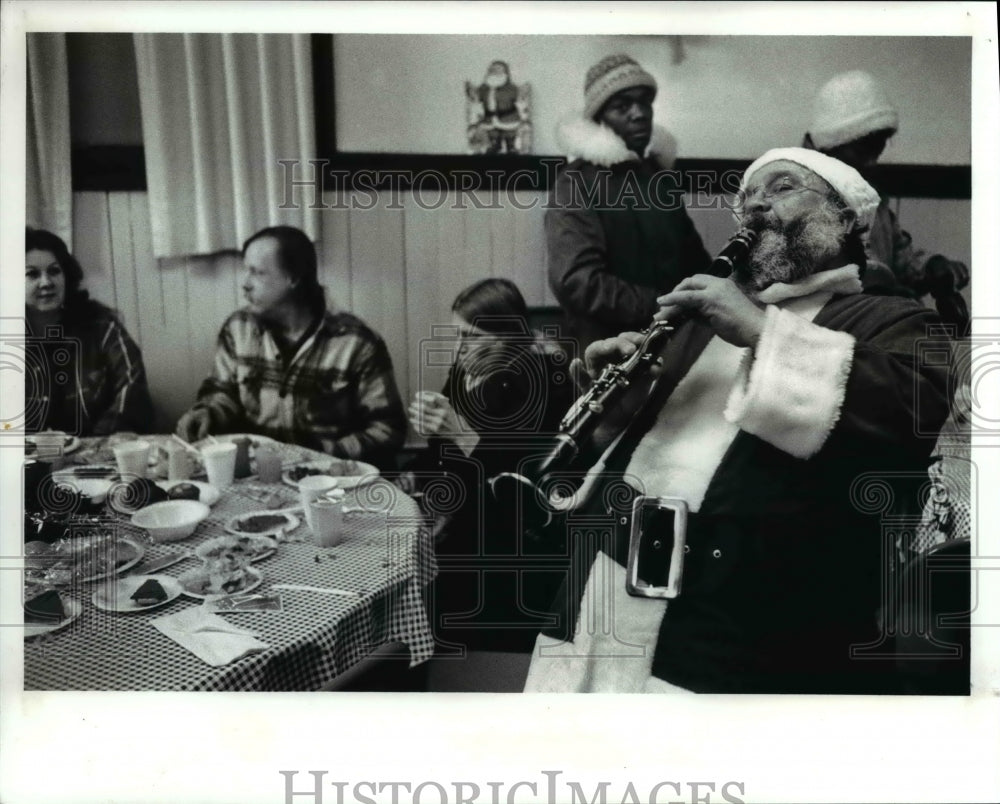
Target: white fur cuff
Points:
(791, 391)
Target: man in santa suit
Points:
(785, 402)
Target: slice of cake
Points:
(150, 593)
(45, 609)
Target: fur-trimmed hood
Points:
(595, 142)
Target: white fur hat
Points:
(849, 106)
(858, 194)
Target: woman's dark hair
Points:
(78, 304)
(41, 240)
(494, 305)
(298, 259)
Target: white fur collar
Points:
(843, 280)
(595, 142)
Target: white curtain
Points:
(49, 201)
(218, 112)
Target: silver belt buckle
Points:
(659, 530)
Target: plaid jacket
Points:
(105, 390)
(337, 394)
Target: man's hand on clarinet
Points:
(598, 356)
(603, 353)
(727, 309)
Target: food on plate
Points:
(80, 558)
(226, 564)
(184, 491)
(249, 547)
(45, 609)
(150, 593)
(256, 546)
(214, 579)
(260, 523)
(223, 550)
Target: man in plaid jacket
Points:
(288, 367)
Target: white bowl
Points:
(172, 520)
(96, 488)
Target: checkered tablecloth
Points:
(387, 556)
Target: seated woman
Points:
(86, 377)
(502, 400)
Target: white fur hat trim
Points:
(857, 193)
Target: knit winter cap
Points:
(610, 75)
(849, 106)
(855, 192)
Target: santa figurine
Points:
(501, 107)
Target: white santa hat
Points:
(853, 190)
(848, 107)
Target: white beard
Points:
(788, 253)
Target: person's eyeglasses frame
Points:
(770, 193)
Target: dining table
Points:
(338, 605)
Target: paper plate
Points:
(72, 609)
(242, 524)
(68, 563)
(251, 581)
(117, 596)
(360, 472)
(129, 553)
(257, 546)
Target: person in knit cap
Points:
(853, 120)
(616, 229)
(762, 443)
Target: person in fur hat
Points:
(853, 120)
(617, 232)
(783, 411)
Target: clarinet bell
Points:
(515, 492)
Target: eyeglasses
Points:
(779, 188)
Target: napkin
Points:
(208, 636)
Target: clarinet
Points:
(588, 411)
